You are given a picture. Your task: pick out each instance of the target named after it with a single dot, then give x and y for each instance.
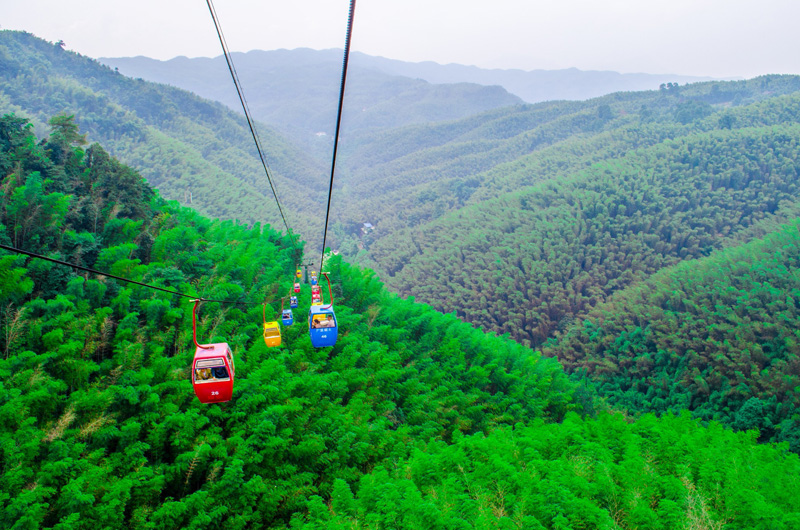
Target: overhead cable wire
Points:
(338, 124)
(120, 278)
(246, 109)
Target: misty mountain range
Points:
(297, 90)
(532, 86)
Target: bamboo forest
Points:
(561, 315)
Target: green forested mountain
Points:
(719, 336)
(542, 240)
(529, 245)
(646, 240)
(413, 420)
(422, 172)
(193, 150)
(95, 372)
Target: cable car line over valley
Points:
(213, 370)
(338, 123)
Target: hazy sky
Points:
(719, 38)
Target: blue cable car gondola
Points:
(288, 318)
(293, 302)
(322, 325)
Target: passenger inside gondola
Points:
(211, 374)
(323, 321)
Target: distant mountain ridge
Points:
(532, 86)
(297, 91)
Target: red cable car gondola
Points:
(212, 369)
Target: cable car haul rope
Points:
(338, 123)
(193, 297)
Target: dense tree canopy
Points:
(648, 241)
(101, 428)
(718, 336)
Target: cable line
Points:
(246, 109)
(120, 278)
(338, 124)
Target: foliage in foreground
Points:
(604, 473)
(100, 428)
(100, 417)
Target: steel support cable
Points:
(246, 109)
(120, 278)
(338, 124)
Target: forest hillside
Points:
(398, 179)
(719, 336)
(537, 241)
(646, 240)
(413, 419)
(195, 151)
(421, 173)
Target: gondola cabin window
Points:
(211, 370)
(324, 320)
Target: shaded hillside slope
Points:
(719, 336)
(410, 176)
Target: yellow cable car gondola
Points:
(272, 331)
(272, 334)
